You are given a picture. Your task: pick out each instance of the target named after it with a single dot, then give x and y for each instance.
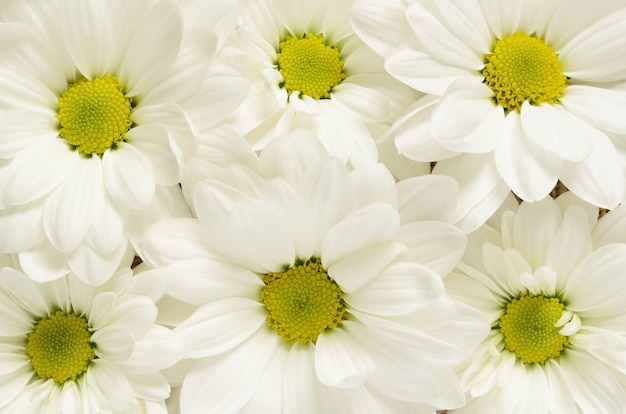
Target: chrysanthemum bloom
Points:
(305, 293)
(550, 278)
(309, 70)
(92, 127)
(66, 346)
(521, 93)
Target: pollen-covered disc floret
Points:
(60, 347)
(302, 302)
(529, 328)
(94, 114)
(309, 65)
(523, 68)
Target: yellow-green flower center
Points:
(528, 327)
(523, 68)
(309, 65)
(94, 114)
(302, 302)
(60, 347)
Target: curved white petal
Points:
(153, 141)
(88, 35)
(113, 343)
(428, 197)
(128, 176)
(603, 108)
(158, 349)
(530, 171)
(153, 48)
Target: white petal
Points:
(600, 107)
(436, 245)
(151, 387)
(535, 226)
(372, 225)
(128, 176)
(372, 183)
(561, 399)
(555, 129)
(381, 26)
(597, 44)
(592, 285)
(71, 210)
(400, 289)
(113, 343)
(530, 171)
(88, 34)
(340, 361)
(609, 228)
(95, 267)
(169, 241)
(419, 70)
(369, 104)
(136, 313)
(214, 376)
(599, 178)
(220, 325)
(43, 263)
(21, 228)
(145, 63)
(23, 292)
(300, 382)
(294, 212)
(593, 387)
(263, 235)
(466, 119)
(326, 187)
(160, 348)
(440, 42)
(36, 172)
(412, 133)
(102, 308)
(481, 189)
(107, 232)
(109, 385)
(570, 244)
(429, 197)
(199, 280)
(153, 141)
(21, 128)
(356, 269)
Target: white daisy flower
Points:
(92, 127)
(309, 70)
(550, 279)
(299, 290)
(70, 347)
(521, 94)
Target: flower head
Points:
(520, 95)
(310, 286)
(67, 346)
(549, 277)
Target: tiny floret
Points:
(310, 66)
(94, 114)
(523, 68)
(302, 302)
(60, 347)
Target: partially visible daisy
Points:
(521, 94)
(297, 288)
(93, 126)
(309, 70)
(550, 279)
(66, 346)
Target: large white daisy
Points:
(550, 278)
(66, 346)
(92, 126)
(521, 93)
(309, 70)
(299, 290)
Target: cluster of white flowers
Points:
(311, 207)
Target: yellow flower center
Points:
(94, 114)
(523, 68)
(302, 302)
(309, 65)
(528, 327)
(60, 347)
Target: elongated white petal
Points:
(128, 176)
